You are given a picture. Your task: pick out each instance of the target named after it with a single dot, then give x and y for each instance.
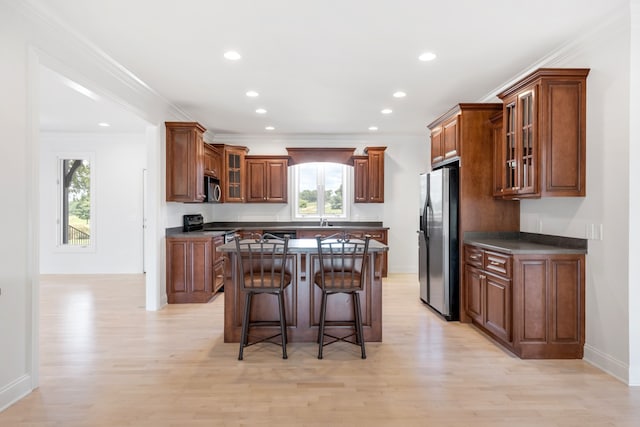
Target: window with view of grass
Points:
(76, 207)
(320, 190)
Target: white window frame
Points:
(346, 194)
(60, 158)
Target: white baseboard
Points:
(15, 391)
(608, 364)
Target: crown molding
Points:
(44, 18)
(611, 24)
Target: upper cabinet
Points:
(267, 179)
(445, 140)
(543, 141)
(369, 176)
(212, 161)
(185, 162)
(233, 180)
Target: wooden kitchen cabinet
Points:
(360, 179)
(212, 161)
(544, 135)
(218, 265)
(533, 304)
(369, 176)
(233, 179)
(470, 124)
(195, 270)
(497, 130)
(487, 282)
(189, 269)
(445, 140)
(184, 162)
(267, 179)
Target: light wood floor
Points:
(105, 361)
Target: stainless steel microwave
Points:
(212, 190)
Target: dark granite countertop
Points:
(306, 246)
(222, 227)
(526, 243)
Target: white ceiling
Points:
(321, 67)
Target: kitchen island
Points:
(302, 297)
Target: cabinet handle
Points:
(515, 188)
(495, 263)
(474, 256)
(482, 276)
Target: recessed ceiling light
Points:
(269, 128)
(373, 128)
(232, 55)
(261, 111)
(104, 124)
(252, 93)
(399, 94)
(427, 56)
(387, 111)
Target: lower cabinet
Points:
(218, 264)
(533, 304)
(194, 270)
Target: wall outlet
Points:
(594, 231)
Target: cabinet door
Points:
(474, 283)
(563, 137)
(450, 138)
(510, 154)
(276, 180)
(437, 149)
(266, 180)
(212, 161)
(497, 132)
(361, 179)
(189, 270)
(376, 175)
(234, 175)
(498, 306)
(566, 311)
(527, 142)
(185, 162)
(256, 173)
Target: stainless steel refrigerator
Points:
(438, 241)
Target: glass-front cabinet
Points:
(234, 173)
(520, 146)
(544, 136)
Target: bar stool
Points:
(261, 270)
(342, 266)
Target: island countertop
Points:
(299, 246)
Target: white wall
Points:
(15, 178)
(29, 39)
(606, 53)
(405, 158)
(634, 195)
(119, 160)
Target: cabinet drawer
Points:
(497, 263)
(473, 256)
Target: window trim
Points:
(346, 194)
(60, 158)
